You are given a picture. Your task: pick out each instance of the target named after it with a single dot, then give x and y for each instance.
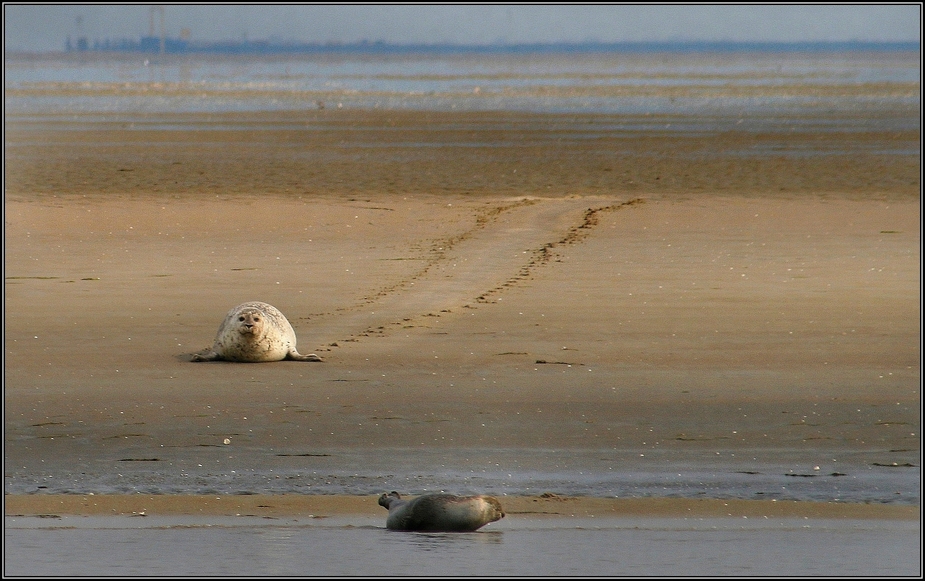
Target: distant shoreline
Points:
(175, 46)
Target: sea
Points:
(523, 547)
(724, 84)
(725, 81)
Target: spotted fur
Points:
(254, 332)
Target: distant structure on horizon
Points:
(183, 45)
(158, 42)
(162, 44)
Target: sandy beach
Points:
(627, 298)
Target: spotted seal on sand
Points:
(254, 332)
(440, 512)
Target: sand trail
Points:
(507, 242)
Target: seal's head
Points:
(250, 321)
(494, 510)
(387, 499)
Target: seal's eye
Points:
(241, 318)
(256, 319)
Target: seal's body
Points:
(254, 332)
(440, 512)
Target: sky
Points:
(46, 27)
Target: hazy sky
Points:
(37, 27)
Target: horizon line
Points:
(150, 44)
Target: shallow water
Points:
(514, 546)
(802, 475)
(740, 84)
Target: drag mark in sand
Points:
(459, 268)
(438, 252)
(440, 248)
(546, 253)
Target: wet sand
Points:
(515, 507)
(555, 288)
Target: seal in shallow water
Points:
(254, 332)
(440, 512)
